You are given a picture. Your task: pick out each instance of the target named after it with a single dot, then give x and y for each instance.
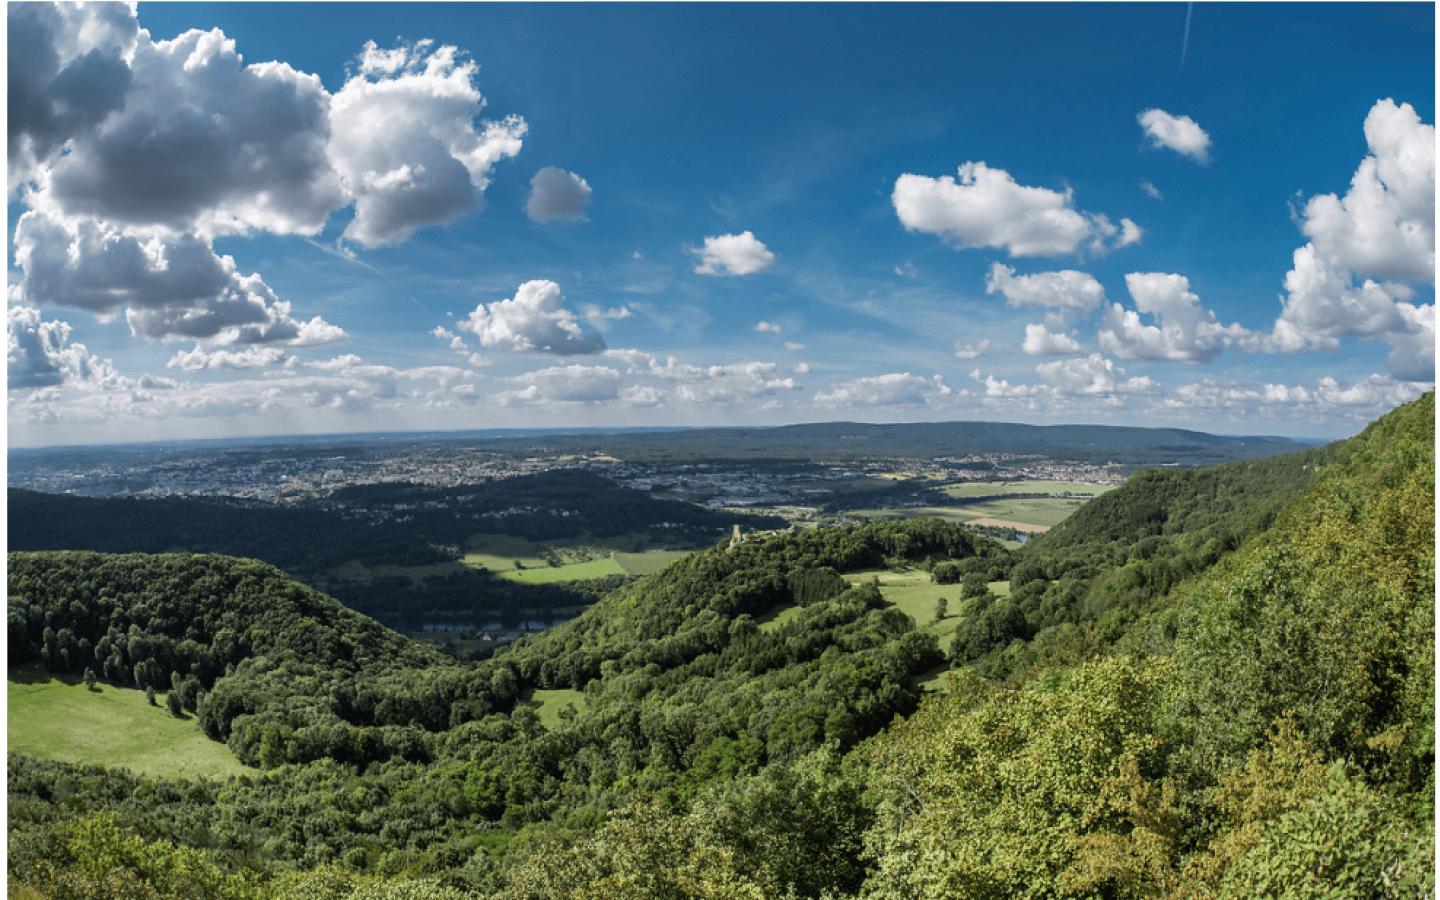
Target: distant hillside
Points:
(394, 524)
(839, 440)
(1271, 734)
(1104, 564)
(1219, 685)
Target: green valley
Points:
(1204, 682)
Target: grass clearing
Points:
(595, 568)
(1040, 512)
(649, 562)
(53, 718)
(551, 702)
(949, 514)
(773, 619)
(995, 488)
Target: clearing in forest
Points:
(61, 719)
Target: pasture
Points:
(61, 719)
(534, 563)
(551, 702)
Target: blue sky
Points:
(233, 219)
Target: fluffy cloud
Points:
(534, 320)
(894, 389)
(971, 351)
(457, 343)
(1187, 331)
(57, 88)
(770, 327)
(733, 254)
(734, 383)
(1000, 389)
(565, 384)
(404, 140)
(200, 359)
(985, 207)
(39, 355)
(1178, 133)
(1039, 341)
(133, 155)
(557, 194)
(1381, 234)
(1130, 233)
(1360, 401)
(1093, 375)
(1067, 290)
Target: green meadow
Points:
(992, 488)
(595, 568)
(51, 718)
(527, 561)
(551, 702)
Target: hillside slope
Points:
(1271, 733)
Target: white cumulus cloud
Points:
(893, 389)
(133, 155)
(733, 254)
(1039, 341)
(557, 194)
(986, 207)
(39, 355)
(1355, 277)
(1178, 133)
(971, 351)
(200, 359)
(404, 139)
(1187, 332)
(1067, 290)
(1093, 375)
(565, 384)
(534, 320)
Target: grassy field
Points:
(524, 560)
(949, 514)
(992, 488)
(776, 617)
(595, 568)
(913, 593)
(649, 562)
(56, 719)
(551, 702)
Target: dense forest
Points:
(383, 524)
(1215, 682)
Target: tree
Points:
(89, 678)
(172, 700)
(150, 695)
(941, 607)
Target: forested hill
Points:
(1269, 732)
(1259, 725)
(142, 619)
(359, 521)
(840, 440)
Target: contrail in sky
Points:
(1185, 43)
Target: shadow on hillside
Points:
(35, 673)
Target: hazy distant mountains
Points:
(1094, 443)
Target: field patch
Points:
(773, 619)
(551, 702)
(998, 488)
(595, 568)
(51, 718)
(649, 562)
